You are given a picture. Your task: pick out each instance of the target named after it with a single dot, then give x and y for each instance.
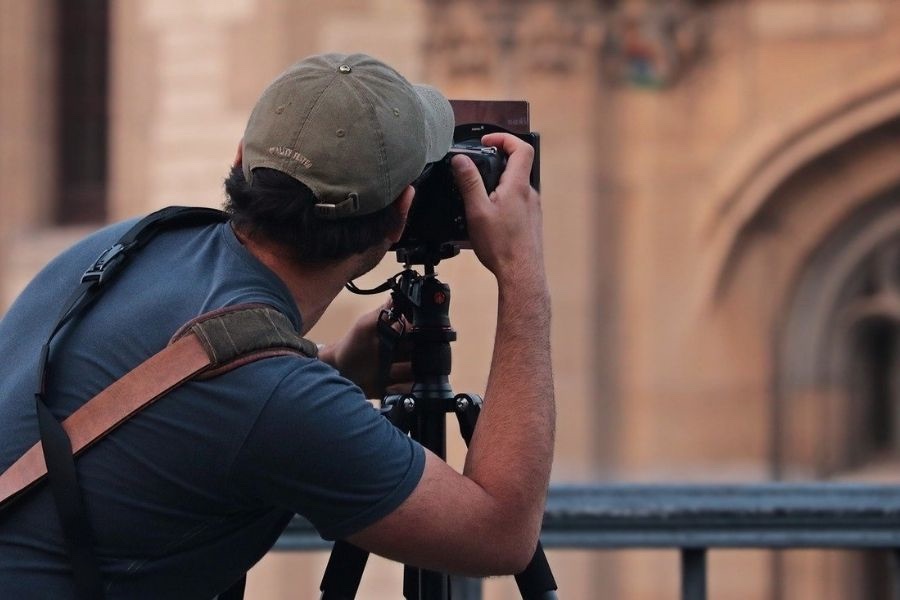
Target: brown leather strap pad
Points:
(209, 345)
(140, 387)
(240, 334)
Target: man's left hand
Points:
(356, 357)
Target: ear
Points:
(401, 205)
(239, 157)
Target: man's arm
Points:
(487, 519)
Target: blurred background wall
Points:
(721, 188)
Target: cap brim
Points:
(439, 122)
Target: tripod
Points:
(425, 302)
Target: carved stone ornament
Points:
(651, 44)
(479, 38)
(460, 39)
(645, 43)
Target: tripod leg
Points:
(410, 583)
(421, 583)
(343, 572)
(536, 582)
(346, 564)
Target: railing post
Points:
(895, 578)
(465, 588)
(693, 574)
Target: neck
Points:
(313, 286)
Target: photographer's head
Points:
(281, 210)
(330, 146)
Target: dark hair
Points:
(279, 208)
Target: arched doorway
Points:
(814, 269)
(839, 357)
(839, 343)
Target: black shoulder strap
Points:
(207, 346)
(55, 442)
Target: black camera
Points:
(436, 225)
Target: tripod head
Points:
(423, 302)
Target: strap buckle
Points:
(106, 264)
(346, 207)
(388, 322)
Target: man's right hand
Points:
(505, 227)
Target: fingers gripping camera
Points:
(436, 225)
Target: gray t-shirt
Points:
(190, 493)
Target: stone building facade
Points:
(721, 188)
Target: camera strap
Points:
(55, 443)
(390, 328)
(200, 340)
(207, 346)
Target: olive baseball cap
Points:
(350, 128)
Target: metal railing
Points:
(697, 518)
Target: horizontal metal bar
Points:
(770, 515)
(812, 515)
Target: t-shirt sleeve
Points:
(320, 449)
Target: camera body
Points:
(436, 224)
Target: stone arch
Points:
(849, 287)
(805, 221)
(835, 404)
(748, 184)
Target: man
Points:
(188, 494)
